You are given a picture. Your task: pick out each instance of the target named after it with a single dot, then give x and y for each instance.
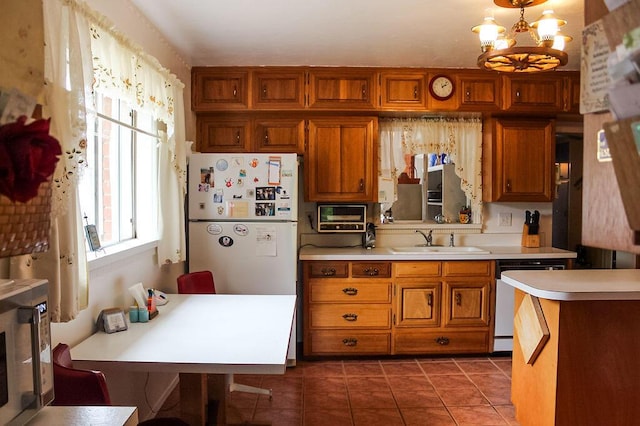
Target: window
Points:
(118, 191)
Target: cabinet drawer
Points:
(409, 342)
(349, 316)
(349, 292)
(417, 269)
(329, 269)
(370, 270)
(339, 342)
(468, 267)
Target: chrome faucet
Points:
(428, 238)
(451, 244)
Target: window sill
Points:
(110, 255)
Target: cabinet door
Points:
(479, 92)
(215, 89)
(216, 134)
(279, 135)
(341, 159)
(276, 89)
(573, 93)
(418, 304)
(519, 164)
(342, 89)
(534, 93)
(467, 302)
(401, 91)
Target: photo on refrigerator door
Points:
(265, 193)
(265, 209)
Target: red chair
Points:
(201, 282)
(72, 386)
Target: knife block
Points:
(529, 240)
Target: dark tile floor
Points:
(387, 392)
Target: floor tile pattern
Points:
(369, 392)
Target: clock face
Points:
(441, 87)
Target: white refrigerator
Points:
(242, 213)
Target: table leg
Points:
(196, 390)
(193, 398)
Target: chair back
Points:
(73, 386)
(200, 282)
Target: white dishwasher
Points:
(503, 332)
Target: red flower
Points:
(28, 156)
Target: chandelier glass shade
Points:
(499, 50)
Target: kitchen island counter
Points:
(584, 326)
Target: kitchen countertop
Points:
(578, 284)
(386, 253)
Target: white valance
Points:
(459, 138)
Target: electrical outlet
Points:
(504, 219)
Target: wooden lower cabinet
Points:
(395, 308)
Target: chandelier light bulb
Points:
(547, 26)
(488, 31)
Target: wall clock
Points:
(441, 87)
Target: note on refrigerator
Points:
(266, 239)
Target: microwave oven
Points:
(342, 217)
(26, 370)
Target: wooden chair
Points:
(201, 282)
(73, 386)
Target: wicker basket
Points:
(25, 227)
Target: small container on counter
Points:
(134, 315)
(143, 315)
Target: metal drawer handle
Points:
(430, 299)
(266, 137)
(443, 341)
(415, 92)
(327, 272)
(468, 94)
(264, 90)
(361, 185)
(371, 271)
(350, 317)
(235, 91)
(238, 136)
(351, 341)
(458, 299)
(364, 91)
(350, 291)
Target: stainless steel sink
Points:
(439, 250)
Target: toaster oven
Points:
(342, 217)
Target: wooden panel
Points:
(342, 89)
(480, 92)
(531, 327)
(415, 341)
(468, 267)
(403, 90)
(215, 89)
(333, 269)
(345, 342)
(278, 89)
(529, 93)
(279, 135)
(417, 269)
(219, 134)
(418, 304)
(349, 291)
(467, 303)
(371, 270)
(349, 316)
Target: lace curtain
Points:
(83, 52)
(68, 78)
(123, 70)
(459, 138)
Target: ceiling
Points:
(399, 33)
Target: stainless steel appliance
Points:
(242, 211)
(26, 373)
(503, 332)
(369, 236)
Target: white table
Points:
(82, 416)
(196, 335)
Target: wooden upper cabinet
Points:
(278, 89)
(403, 90)
(340, 159)
(223, 134)
(479, 92)
(342, 88)
(538, 93)
(279, 135)
(518, 160)
(215, 89)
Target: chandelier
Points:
(499, 50)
